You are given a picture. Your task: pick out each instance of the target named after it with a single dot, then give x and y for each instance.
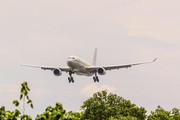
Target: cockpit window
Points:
(71, 57)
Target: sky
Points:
(46, 32)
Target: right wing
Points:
(65, 69)
(111, 67)
(126, 66)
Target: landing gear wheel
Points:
(69, 79)
(97, 79)
(94, 78)
(72, 80)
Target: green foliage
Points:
(2, 113)
(123, 118)
(31, 104)
(21, 96)
(68, 116)
(176, 114)
(161, 114)
(103, 106)
(8, 115)
(58, 113)
(26, 117)
(16, 103)
(51, 113)
(16, 115)
(73, 116)
(24, 94)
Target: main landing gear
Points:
(95, 78)
(70, 78)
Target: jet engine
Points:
(57, 72)
(101, 71)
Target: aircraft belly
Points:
(79, 69)
(82, 71)
(84, 74)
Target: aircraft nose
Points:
(70, 63)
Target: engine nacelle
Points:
(101, 71)
(57, 72)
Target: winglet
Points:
(154, 59)
(23, 64)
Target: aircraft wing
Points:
(111, 67)
(65, 69)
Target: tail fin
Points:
(94, 58)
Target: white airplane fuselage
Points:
(79, 65)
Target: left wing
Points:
(111, 67)
(65, 69)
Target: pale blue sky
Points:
(124, 31)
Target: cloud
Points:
(114, 0)
(90, 89)
(9, 88)
(151, 18)
(9, 92)
(82, 6)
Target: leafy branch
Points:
(24, 96)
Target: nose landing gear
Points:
(70, 78)
(95, 78)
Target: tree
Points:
(103, 106)
(58, 113)
(176, 114)
(73, 116)
(2, 113)
(14, 115)
(51, 113)
(23, 96)
(161, 114)
(123, 118)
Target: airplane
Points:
(79, 66)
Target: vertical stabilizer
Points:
(95, 56)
